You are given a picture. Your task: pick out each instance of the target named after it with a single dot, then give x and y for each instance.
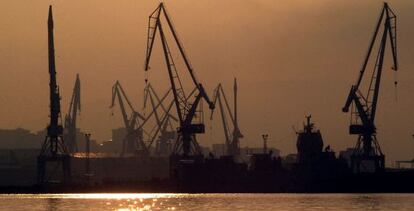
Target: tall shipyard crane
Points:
(187, 109)
(232, 139)
(71, 116)
(53, 150)
(133, 141)
(365, 106)
(164, 133)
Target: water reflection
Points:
(371, 202)
(137, 203)
(53, 204)
(149, 201)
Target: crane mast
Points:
(187, 111)
(71, 116)
(133, 141)
(54, 130)
(365, 106)
(236, 130)
(232, 140)
(53, 148)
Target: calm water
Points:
(207, 202)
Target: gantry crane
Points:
(133, 141)
(365, 106)
(53, 149)
(164, 126)
(232, 140)
(186, 142)
(71, 116)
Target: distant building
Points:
(81, 142)
(205, 151)
(404, 164)
(115, 144)
(221, 150)
(290, 158)
(20, 139)
(258, 150)
(346, 155)
(366, 165)
(218, 149)
(18, 167)
(24, 139)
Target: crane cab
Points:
(192, 128)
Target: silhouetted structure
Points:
(133, 141)
(399, 162)
(232, 139)
(186, 142)
(53, 149)
(363, 113)
(265, 137)
(20, 138)
(313, 169)
(309, 143)
(71, 116)
(164, 134)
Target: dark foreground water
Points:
(207, 202)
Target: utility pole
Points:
(88, 149)
(265, 137)
(412, 160)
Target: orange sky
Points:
(291, 58)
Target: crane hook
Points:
(396, 86)
(146, 77)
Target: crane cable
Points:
(396, 86)
(146, 77)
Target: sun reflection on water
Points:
(231, 202)
(131, 202)
(118, 201)
(140, 202)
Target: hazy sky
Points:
(291, 58)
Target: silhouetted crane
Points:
(232, 139)
(164, 126)
(362, 121)
(186, 110)
(53, 149)
(133, 141)
(71, 116)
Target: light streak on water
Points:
(231, 202)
